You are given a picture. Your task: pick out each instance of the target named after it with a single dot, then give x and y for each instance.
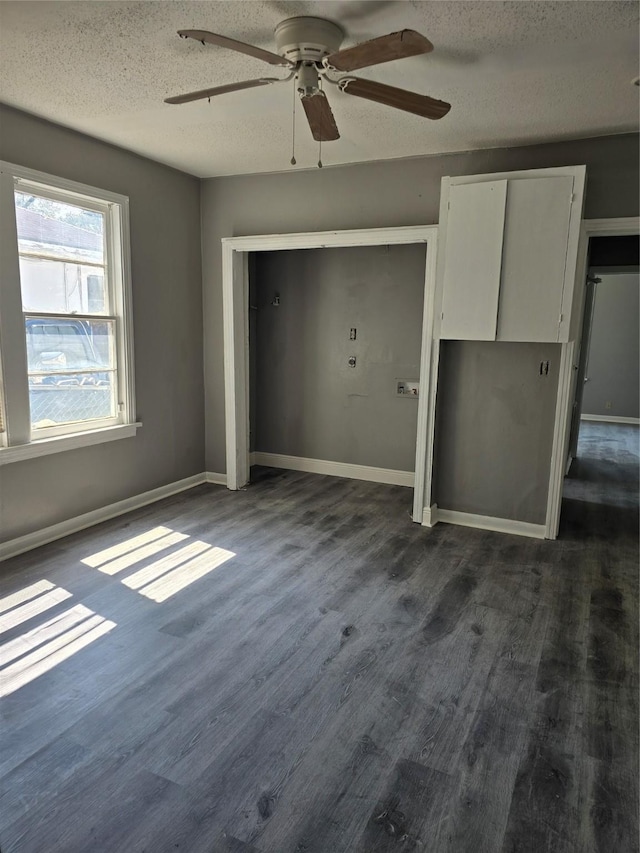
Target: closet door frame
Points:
(235, 301)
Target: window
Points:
(65, 317)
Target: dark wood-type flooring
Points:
(298, 668)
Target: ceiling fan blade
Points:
(320, 118)
(232, 44)
(393, 46)
(220, 90)
(401, 99)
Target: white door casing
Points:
(617, 227)
(235, 284)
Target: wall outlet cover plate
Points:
(407, 388)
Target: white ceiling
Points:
(515, 73)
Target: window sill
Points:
(45, 446)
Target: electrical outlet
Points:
(352, 335)
(407, 388)
(607, 405)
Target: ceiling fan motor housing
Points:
(307, 39)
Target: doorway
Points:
(236, 252)
(566, 414)
(604, 437)
(607, 372)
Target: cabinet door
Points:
(534, 257)
(472, 260)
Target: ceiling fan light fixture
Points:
(307, 79)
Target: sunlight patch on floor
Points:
(24, 594)
(44, 647)
(167, 575)
(41, 634)
(33, 607)
(34, 652)
(172, 582)
(100, 557)
(165, 564)
(136, 555)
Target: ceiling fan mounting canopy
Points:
(307, 39)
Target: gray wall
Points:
(309, 402)
(165, 222)
(492, 397)
(391, 193)
(613, 368)
(167, 308)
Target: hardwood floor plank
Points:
(125, 806)
(228, 844)
(37, 779)
(610, 810)
(486, 772)
(411, 811)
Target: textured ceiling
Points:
(515, 73)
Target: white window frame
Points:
(18, 441)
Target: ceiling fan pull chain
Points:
(293, 129)
(320, 140)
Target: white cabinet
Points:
(473, 260)
(507, 254)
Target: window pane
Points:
(61, 286)
(56, 345)
(65, 399)
(58, 229)
(71, 367)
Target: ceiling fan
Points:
(308, 47)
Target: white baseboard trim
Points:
(433, 514)
(610, 419)
(217, 479)
(430, 516)
(64, 528)
(335, 469)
